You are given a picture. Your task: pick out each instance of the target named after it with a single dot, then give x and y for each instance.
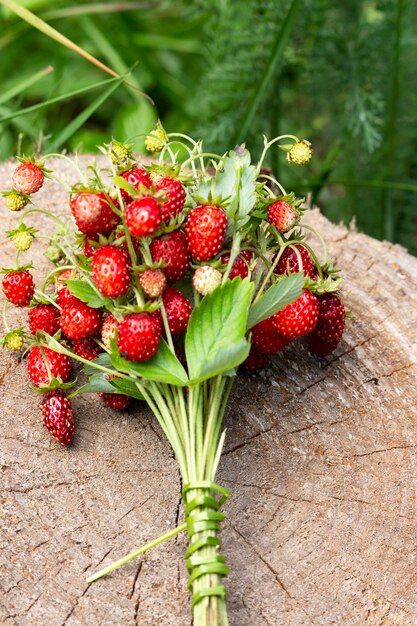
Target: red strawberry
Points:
(88, 248)
(108, 329)
(18, 287)
(79, 320)
(28, 178)
(299, 318)
(172, 249)
(92, 213)
(139, 336)
(86, 348)
(266, 338)
(116, 401)
(153, 282)
(289, 262)
(175, 196)
(137, 176)
(283, 215)
(178, 309)
(58, 416)
(44, 317)
(256, 359)
(240, 264)
(59, 364)
(143, 216)
(64, 297)
(318, 347)
(111, 273)
(205, 230)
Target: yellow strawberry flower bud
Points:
(300, 152)
(156, 139)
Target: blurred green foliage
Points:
(339, 74)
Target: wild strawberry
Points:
(120, 153)
(331, 320)
(44, 317)
(88, 248)
(300, 152)
(111, 271)
(156, 139)
(58, 416)
(288, 262)
(22, 237)
(18, 287)
(92, 213)
(13, 340)
(206, 279)
(79, 320)
(59, 365)
(175, 196)
(110, 325)
(256, 359)
(299, 318)
(86, 348)
(205, 230)
(153, 282)
(116, 401)
(15, 201)
(136, 177)
(139, 336)
(318, 347)
(265, 337)
(178, 309)
(143, 216)
(64, 297)
(240, 265)
(28, 178)
(172, 250)
(283, 215)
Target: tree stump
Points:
(320, 459)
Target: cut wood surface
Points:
(320, 459)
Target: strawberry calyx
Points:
(55, 383)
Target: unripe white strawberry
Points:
(206, 279)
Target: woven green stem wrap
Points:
(206, 567)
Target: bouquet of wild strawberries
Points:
(181, 272)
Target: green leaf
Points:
(85, 292)
(98, 383)
(215, 340)
(287, 290)
(164, 367)
(103, 359)
(127, 387)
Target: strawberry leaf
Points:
(85, 292)
(215, 341)
(287, 290)
(163, 367)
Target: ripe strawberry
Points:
(111, 271)
(88, 248)
(205, 230)
(175, 196)
(178, 309)
(79, 320)
(153, 282)
(92, 213)
(59, 365)
(28, 178)
(139, 336)
(318, 347)
(18, 287)
(172, 249)
(206, 279)
(58, 416)
(116, 401)
(64, 296)
(256, 359)
(240, 264)
(137, 176)
(299, 318)
(143, 216)
(86, 348)
(44, 317)
(266, 338)
(331, 320)
(108, 329)
(283, 215)
(288, 262)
